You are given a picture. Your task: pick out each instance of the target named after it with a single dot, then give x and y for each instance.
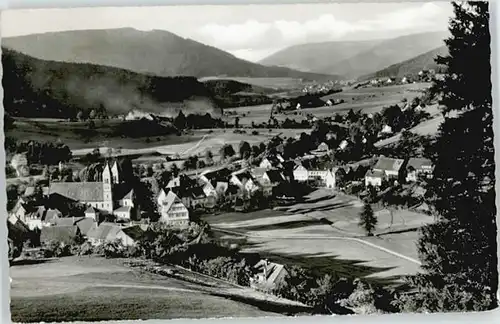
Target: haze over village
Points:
(247, 160)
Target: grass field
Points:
(90, 289)
(312, 232)
(368, 100)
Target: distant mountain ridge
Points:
(412, 66)
(154, 52)
(363, 57)
(315, 57)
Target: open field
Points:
(428, 127)
(325, 230)
(368, 100)
(91, 288)
(198, 142)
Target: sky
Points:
(251, 32)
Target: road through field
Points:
(341, 238)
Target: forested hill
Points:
(155, 52)
(412, 66)
(40, 88)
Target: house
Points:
(85, 225)
(323, 147)
(374, 178)
(389, 166)
(271, 162)
(330, 180)
(34, 219)
(110, 232)
(91, 212)
(51, 216)
(59, 233)
(192, 197)
(123, 212)
(418, 166)
(272, 177)
(106, 196)
(386, 129)
(209, 189)
(244, 180)
(172, 209)
(300, 173)
(343, 145)
(267, 275)
(222, 175)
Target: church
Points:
(110, 196)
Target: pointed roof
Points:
(171, 199)
(90, 210)
(130, 194)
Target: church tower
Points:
(107, 184)
(115, 177)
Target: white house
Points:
(300, 173)
(91, 212)
(417, 166)
(330, 180)
(172, 209)
(386, 129)
(123, 212)
(244, 180)
(389, 166)
(323, 147)
(374, 178)
(343, 145)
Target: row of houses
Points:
(390, 169)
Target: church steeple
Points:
(107, 189)
(115, 176)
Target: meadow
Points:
(90, 288)
(325, 230)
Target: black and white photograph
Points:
(243, 161)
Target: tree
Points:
(79, 116)
(227, 151)
(209, 156)
(245, 149)
(180, 121)
(367, 219)
(92, 114)
(237, 122)
(174, 169)
(458, 252)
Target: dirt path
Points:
(337, 238)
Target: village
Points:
(112, 207)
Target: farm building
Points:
(374, 178)
(244, 180)
(418, 166)
(389, 166)
(268, 275)
(271, 161)
(172, 209)
(109, 232)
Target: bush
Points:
(56, 249)
(255, 132)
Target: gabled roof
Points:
(418, 163)
(197, 193)
(52, 215)
(130, 194)
(123, 209)
(243, 176)
(388, 164)
(90, 210)
(85, 225)
(171, 199)
(64, 234)
(274, 176)
(134, 232)
(105, 231)
(79, 191)
(67, 221)
(272, 269)
(374, 174)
